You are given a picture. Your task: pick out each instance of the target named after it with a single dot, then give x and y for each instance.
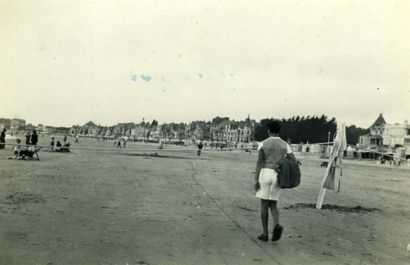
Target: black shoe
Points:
(263, 237)
(277, 232)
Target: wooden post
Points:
(322, 192)
(334, 159)
(320, 198)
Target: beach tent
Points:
(349, 152)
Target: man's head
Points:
(273, 126)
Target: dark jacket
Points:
(2, 140)
(34, 139)
(289, 173)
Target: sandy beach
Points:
(127, 207)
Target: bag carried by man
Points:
(288, 173)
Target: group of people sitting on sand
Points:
(29, 149)
(117, 142)
(58, 147)
(23, 151)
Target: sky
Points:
(68, 62)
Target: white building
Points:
(396, 135)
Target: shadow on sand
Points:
(156, 155)
(356, 209)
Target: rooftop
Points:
(379, 121)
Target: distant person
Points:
(17, 148)
(34, 138)
(58, 146)
(119, 143)
(271, 151)
(124, 144)
(65, 138)
(28, 139)
(3, 139)
(200, 146)
(65, 148)
(250, 147)
(52, 144)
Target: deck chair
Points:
(64, 149)
(29, 154)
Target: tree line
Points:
(310, 129)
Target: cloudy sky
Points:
(68, 62)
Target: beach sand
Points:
(127, 207)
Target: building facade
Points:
(374, 138)
(5, 123)
(397, 135)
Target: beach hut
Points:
(349, 152)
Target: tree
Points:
(154, 123)
(353, 134)
(312, 129)
(217, 120)
(261, 131)
(165, 130)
